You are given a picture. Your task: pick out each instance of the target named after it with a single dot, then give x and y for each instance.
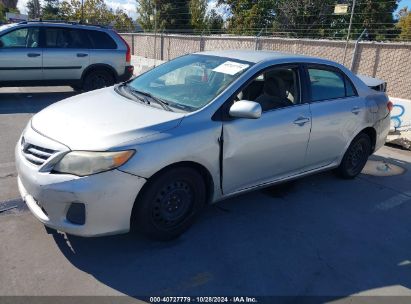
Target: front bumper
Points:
(108, 198)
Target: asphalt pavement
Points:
(318, 236)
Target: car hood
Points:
(101, 119)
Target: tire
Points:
(169, 204)
(355, 157)
(98, 79)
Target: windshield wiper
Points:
(131, 92)
(164, 104)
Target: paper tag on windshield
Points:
(230, 67)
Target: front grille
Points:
(35, 154)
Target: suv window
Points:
(101, 40)
(66, 38)
(326, 84)
(21, 38)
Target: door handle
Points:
(301, 121)
(82, 55)
(31, 55)
(356, 110)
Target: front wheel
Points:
(169, 204)
(355, 157)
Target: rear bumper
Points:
(128, 73)
(108, 198)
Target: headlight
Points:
(84, 163)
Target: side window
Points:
(21, 38)
(66, 38)
(326, 84)
(349, 87)
(101, 40)
(276, 88)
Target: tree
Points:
(215, 22)
(145, 11)
(198, 11)
(302, 18)
(95, 12)
(404, 25)
(50, 10)
(249, 16)
(169, 15)
(33, 9)
(377, 16)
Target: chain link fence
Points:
(390, 61)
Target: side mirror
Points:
(245, 109)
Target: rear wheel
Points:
(98, 79)
(355, 157)
(169, 204)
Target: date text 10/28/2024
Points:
(155, 300)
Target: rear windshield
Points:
(101, 40)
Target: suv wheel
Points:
(355, 157)
(170, 204)
(97, 80)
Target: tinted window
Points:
(101, 40)
(350, 88)
(66, 38)
(326, 84)
(21, 38)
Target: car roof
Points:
(255, 56)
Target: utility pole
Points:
(349, 31)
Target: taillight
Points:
(128, 54)
(390, 106)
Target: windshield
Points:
(191, 81)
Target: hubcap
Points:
(172, 204)
(357, 157)
(98, 82)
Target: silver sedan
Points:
(150, 153)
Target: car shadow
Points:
(319, 236)
(31, 100)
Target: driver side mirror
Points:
(246, 109)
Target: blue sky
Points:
(130, 5)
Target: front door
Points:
(257, 151)
(66, 53)
(21, 57)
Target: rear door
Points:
(338, 114)
(66, 53)
(21, 57)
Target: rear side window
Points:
(326, 84)
(66, 38)
(350, 88)
(101, 40)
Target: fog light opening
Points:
(76, 214)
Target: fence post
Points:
(132, 44)
(202, 42)
(162, 46)
(257, 41)
(354, 53)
